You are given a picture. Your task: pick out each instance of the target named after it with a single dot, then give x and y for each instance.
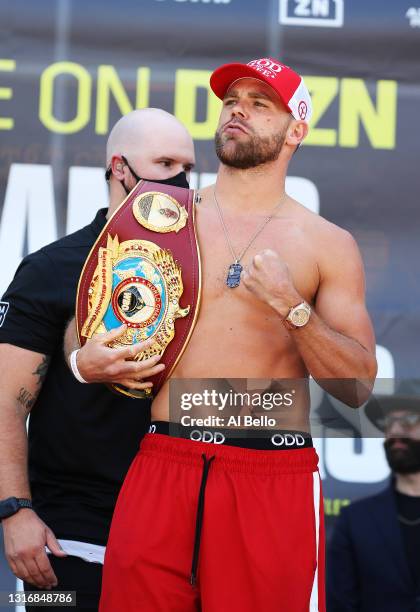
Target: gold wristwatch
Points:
(298, 316)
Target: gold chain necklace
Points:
(233, 277)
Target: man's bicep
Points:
(22, 373)
(340, 300)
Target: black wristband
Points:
(11, 505)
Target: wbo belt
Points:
(144, 271)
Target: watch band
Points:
(24, 503)
(12, 505)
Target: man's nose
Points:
(238, 109)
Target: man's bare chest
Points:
(281, 235)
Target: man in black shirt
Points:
(81, 438)
(374, 556)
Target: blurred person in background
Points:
(373, 561)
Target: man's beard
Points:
(403, 460)
(250, 154)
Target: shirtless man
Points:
(256, 541)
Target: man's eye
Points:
(188, 167)
(412, 419)
(166, 163)
(256, 103)
(229, 102)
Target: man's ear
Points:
(117, 167)
(296, 132)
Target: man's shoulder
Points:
(334, 246)
(365, 505)
(320, 227)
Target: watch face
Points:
(300, 317)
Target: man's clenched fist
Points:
(269, 279)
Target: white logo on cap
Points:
(267, 67)
(320, 13)
(302, 109)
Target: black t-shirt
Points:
(408, 508)
(82, 438)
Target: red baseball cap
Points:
(288, 85)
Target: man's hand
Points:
(269, 279)
(97, 362)
(25, 538)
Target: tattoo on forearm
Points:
(25, 399)
(41, 370)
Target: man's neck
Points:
(408, 484)
(116, 196)
(255, 190)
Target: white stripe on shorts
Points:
(313, 604)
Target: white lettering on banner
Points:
(317, 13)
(413, 14)
(385, 378)
(367, 467)
(31, 186)
(337, 456)
(343, 462)
(304, 191)
(28, 210)
(87, 193)
(384, 384)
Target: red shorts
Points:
(248, 524)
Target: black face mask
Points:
(180, 180)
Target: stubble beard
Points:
(255, 151)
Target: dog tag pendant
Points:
(234, 275)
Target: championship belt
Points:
(144, 271)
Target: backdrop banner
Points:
(70, 69)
